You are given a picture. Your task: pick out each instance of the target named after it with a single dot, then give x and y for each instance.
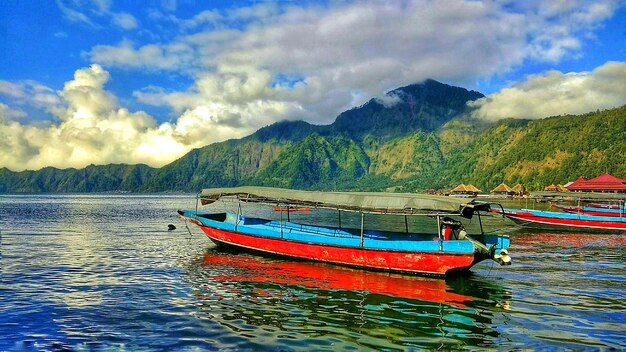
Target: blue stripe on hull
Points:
(376, 240)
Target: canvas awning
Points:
(380, 202)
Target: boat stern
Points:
(495, 247)
(499, 248)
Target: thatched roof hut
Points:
(465, 190)
(472, 188)
(556, 188)
(519, 189)
(503, 189)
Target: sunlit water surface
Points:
(102, 272)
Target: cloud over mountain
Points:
(556, 93)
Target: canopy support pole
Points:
(362, 222)
(439, 234)
(238, 213)
(281, 220)
(339, 211)
(406, 224)
(480, 222)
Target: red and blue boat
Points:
(564, 221)
(591, 210)
(448, 249)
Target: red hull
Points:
(424, 263)
(529, 217)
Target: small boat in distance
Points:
(607, 206)
(564, 221)
(447, 250)
(587, 210)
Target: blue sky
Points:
(110, 81)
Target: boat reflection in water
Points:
(534, 242)
(330, 277)
(293, 305)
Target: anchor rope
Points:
(188, 230)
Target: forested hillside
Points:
(416, 138)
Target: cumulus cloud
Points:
(335, 56)
(348, 52)
(555, 93)
(92, 127)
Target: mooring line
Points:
(188, 230)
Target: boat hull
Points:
(616, 213)
(408, 262)
(564, 221)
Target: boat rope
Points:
(188, 230)
(570, 250)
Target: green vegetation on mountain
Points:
(106, 178)
(317, 162)
(415, 138)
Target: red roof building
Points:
(603, 183)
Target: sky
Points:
(117, 81)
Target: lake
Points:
(102, 272)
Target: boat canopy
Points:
(379, 202)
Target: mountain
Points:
(416, 137)
(425, 107)
(342, 155)
(105, 178)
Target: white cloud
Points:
(93, 128)
(31, 94)
(175, 56)
(70, 11)
(94, 14)
(346, 51)
(336, 56)
(555, 93)
(7, 113)
(124, 20)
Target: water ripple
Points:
(90, 272)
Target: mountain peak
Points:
(422, 106)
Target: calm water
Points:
(92, 272)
